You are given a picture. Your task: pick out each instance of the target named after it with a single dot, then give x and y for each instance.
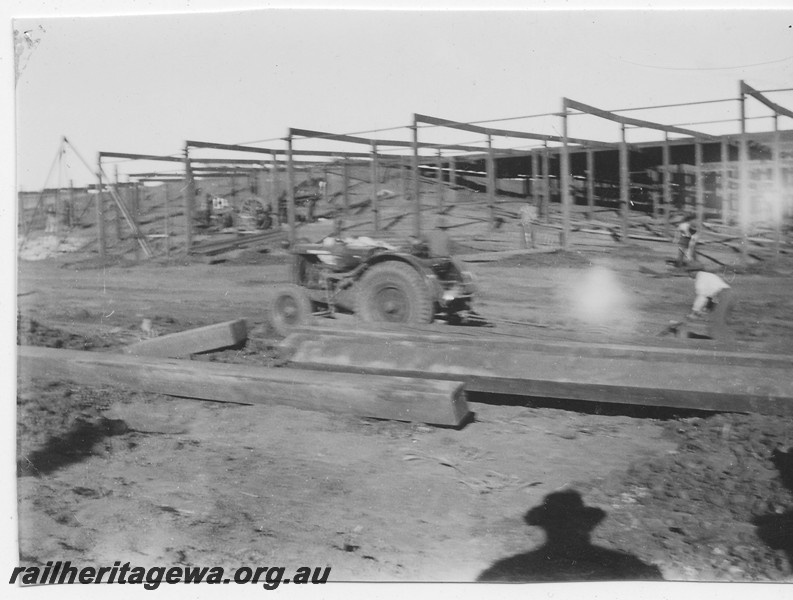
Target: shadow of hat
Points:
(564, 509)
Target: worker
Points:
(686, 237)
(528, 221)
(714, 296)
(437, 240)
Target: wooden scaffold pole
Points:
(725, 183)
(564, 182)
(743, 170)
(375, 198)
(290, 189)
(625, 191)
(590, 184)
(416, 181)
(700, 186)
(667, 182)
(189, 195)
(100, 213)
(491, 181)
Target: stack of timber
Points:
(676, 377)
(218, 247)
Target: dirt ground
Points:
(528, 491)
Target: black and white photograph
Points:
(465, 295)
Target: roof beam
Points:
(780, 110)
(139, 156)
(234, 147)
(604, 114)
(398, 143)
(500, 132)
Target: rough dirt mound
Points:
(32, 333)
(714, 504)
(41, 246)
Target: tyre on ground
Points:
(393, 292)
(290, 308)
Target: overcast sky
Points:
(145, 84)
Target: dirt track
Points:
(116, 473)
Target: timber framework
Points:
(734, 181)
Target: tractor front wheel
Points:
(393, 292)
(291, 308)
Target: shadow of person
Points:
(776, 530)
(568, 554)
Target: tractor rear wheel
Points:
(290, 308)
(393, 292)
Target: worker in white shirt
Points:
(528, 222)
(714, 296)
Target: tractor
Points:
(374, 280)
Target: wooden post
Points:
(439, 166)
(667, 184)
(167, 220)
(100, 215)
(535, 171)
(653, 175)
(189, 195)
(625, 191)
(725, 183)
(491, 181)
(453, 178)
(700, 186)
(375, 199)
(136, 214)
(778, 192)
(416, 182)
(590, 184)
(403, 178)
(564, 181)
(743, 176)
(116, 212)
(290, 190)
(276, 193)
(325, 185)
(70, 207)
(346, 189)
(545, 203)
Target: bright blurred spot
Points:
(599, 299)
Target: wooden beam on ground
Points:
(723, 383)
(398, 398)
(493, 341)
(192, 341)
